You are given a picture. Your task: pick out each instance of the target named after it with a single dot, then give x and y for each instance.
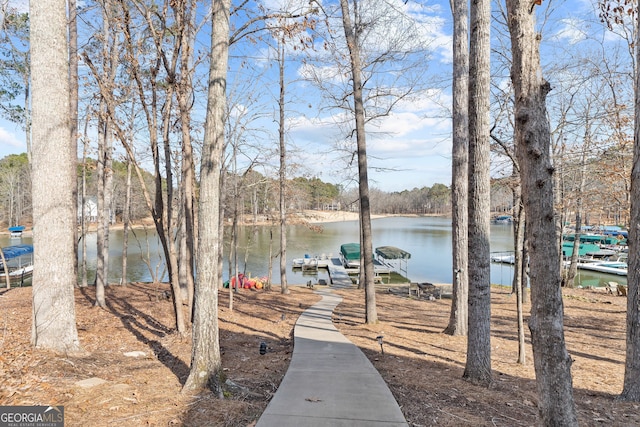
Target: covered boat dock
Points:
(16, 264)
(397, 259)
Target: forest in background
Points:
(259, 194)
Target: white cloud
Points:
(289, 5)
(571, 30)
(10, 143)
(322, 73)
(9, 139)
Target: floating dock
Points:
(338, 274)
(387, 260)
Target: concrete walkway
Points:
(330, 382)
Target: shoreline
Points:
(321, 217)
(307, 216)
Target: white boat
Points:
(350, 255)
(504, 259)
(16, 231)
(503, 219)
(311, 262)
(618, 268)
(17, 265)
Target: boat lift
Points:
(16, 264)
(396, 258)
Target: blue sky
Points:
(407, 149)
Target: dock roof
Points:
(16, 251)
(391, 252)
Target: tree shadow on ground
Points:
(147, 329)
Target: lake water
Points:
(427, 239)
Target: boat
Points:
(504, 259)
(309, 262)
(503, 219)
(350, 255)
(386, 258)
(16, 264)
(16, 231)
(583, 248)
(618, 268)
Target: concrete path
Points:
(330, 382)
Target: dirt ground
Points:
(422, 366)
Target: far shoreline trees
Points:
(304, 194)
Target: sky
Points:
(411, 147)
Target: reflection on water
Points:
(591, 279)
(428, 239)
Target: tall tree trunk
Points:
(571, 272)
(460, 163)
(478, 366)
(282, 173)
(184, 94)
(234, 287)
(631, 385)
(519, 267)
(99, 280)
(205, 356)
(105, 180)
(366, 248)
(54, 181)
(267, 285)
(83, 214)
(105, 149)
(73, 94)
(162, 207)
(533, 140)
(126, 219)
(167, 219)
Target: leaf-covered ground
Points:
(422, 366)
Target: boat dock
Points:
(387, 259)
(338, 274)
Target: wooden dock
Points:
(338, 274)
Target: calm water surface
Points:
(428, 239)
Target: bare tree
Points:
(157, 83)
(109, 56)
(282, 172)
(519, 284)
(185, 11)
(205, 356)
(126, 222)
(54, 181)
(15, 188)
(366, 247)
(73, 95)
(532, 134)
(631, 386)
(460, 163)
(478, 365)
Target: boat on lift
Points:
(16, 264)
